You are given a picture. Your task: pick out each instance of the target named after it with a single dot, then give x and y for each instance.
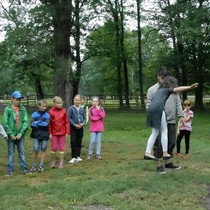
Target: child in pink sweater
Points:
(96, 116)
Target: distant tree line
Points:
(103, 47)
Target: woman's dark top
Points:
(156, 107)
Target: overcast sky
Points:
(132, 24)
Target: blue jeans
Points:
(40, 145)
(21, 155)
(95, 137)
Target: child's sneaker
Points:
(26, 171)
(186, 155)
(73, 160)
(161, 170)
(9, 173)
(61, 165)
(40, 169)
(79, 159)
(89, 157)
(33, 169)
(98, 157)
(53, 164)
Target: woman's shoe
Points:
(167, 157)
(146, 157)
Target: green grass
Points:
(121, 181)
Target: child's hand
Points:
(13, 138)
(77, 126)
(18, 137)
(193, 86)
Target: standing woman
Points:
(96, 116)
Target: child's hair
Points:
(41, 101)
(79, 96)
(57, 99)
(95, 97)
(162, 72)
(187, 102)
(170, 82)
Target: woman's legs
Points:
(151, 141)
(164, 137)
(164, 133)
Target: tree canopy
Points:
(103, 47)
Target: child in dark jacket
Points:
(39, 123)
(77, 119)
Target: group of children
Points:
(56, 124)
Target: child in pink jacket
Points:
(96, 116)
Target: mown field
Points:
(121, 181)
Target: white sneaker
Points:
(73, 160)
(79, 159)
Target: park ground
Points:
(121, 181)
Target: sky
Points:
(132, 24)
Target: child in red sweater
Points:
(59, 129)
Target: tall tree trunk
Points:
(140, 61)
(180, 48)
(201, 63)
(199, 78)
(124, 59)
(77, 74)
(119, 61)
(62, 10)
(38, 87)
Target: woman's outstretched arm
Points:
(185, 88)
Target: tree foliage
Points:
(69, 46)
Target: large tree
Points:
(61, 12)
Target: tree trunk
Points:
(62, 10)
(199, 78)
(180, 48)
(140, 62)
(38, 87)
(200, 63)
(119, 61)
(125, 66)
(77, 34)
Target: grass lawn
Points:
(121, 181)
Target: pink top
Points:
(96, 117)
(187, 125)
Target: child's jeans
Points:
(21, 154)
(40, 145)
(95, 137)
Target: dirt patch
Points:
(95, 207)
(206, 201)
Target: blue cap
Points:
(17, 94)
